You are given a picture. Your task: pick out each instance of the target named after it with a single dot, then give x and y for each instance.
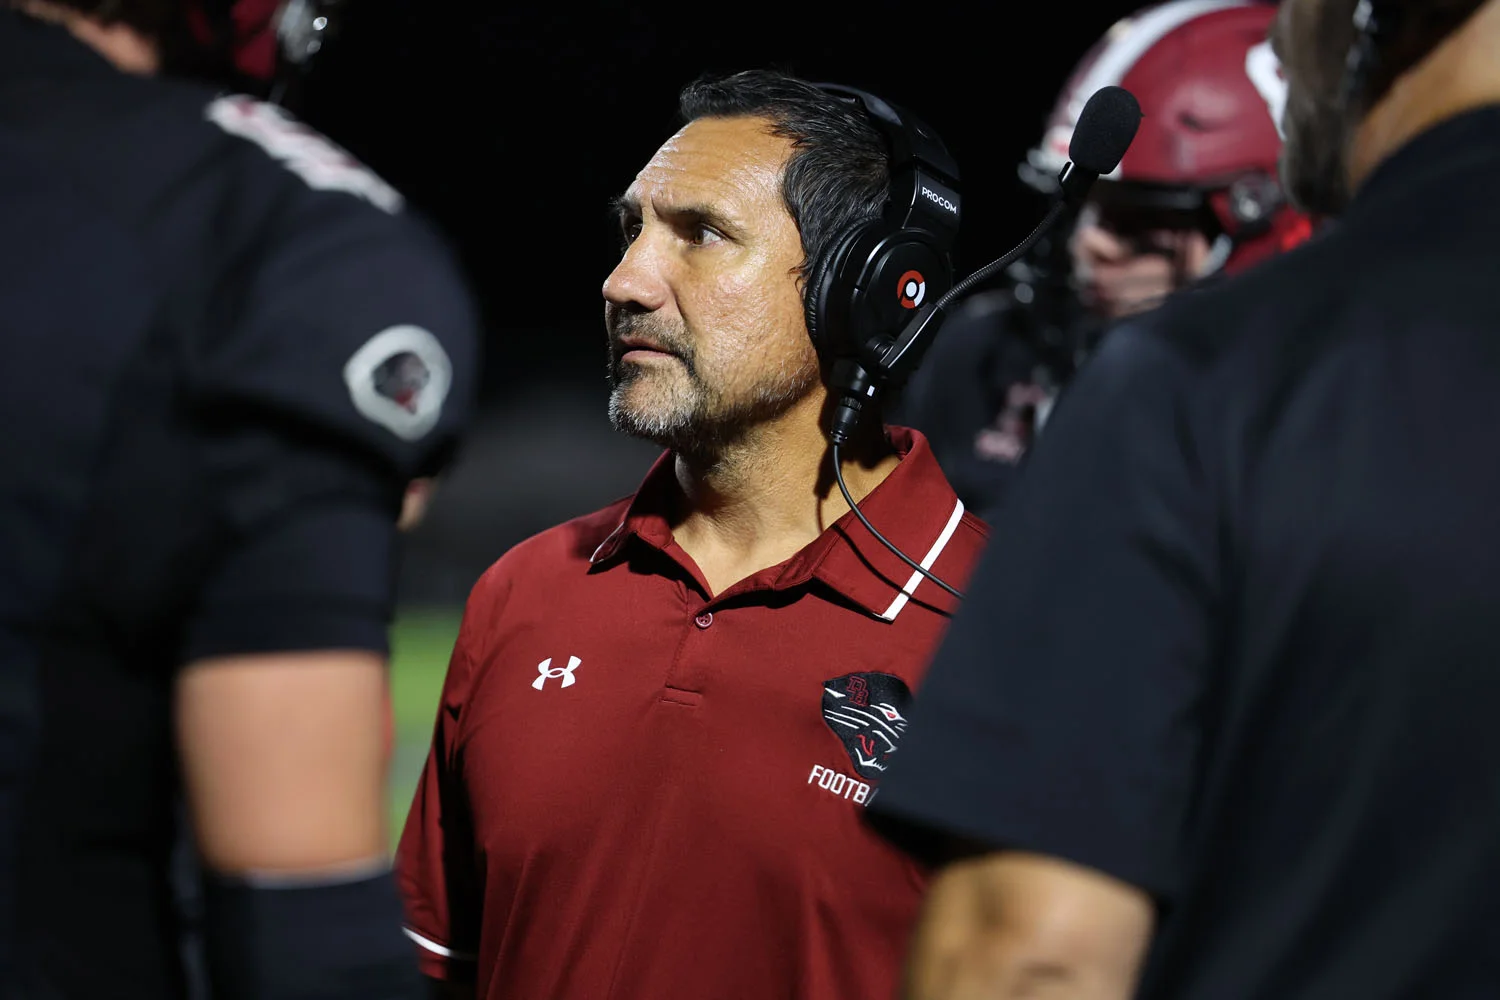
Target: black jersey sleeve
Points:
(337, 362)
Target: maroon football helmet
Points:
(1205, 157)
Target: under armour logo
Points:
(547, 670)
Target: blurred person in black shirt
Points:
(232, 347)
(1219, 708)
(1196, 196)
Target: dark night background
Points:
(511, 126)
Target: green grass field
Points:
(421, 641)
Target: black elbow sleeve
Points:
(335, 940)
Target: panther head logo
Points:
(867, 712)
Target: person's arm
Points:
(281, 718)
(337, 366)
(1019, 925)
(284, 761)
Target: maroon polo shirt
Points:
(637, 791)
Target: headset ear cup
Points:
(818, 294)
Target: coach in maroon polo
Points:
(662, 722)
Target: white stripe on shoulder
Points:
(437, 949)
(926, 563)
(322, 164)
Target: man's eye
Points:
(704, 235)
(629, 233)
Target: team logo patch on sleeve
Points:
(399, 379)
(867, 711)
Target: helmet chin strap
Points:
(1218, 255)
(1219, 252)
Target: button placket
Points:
(691, 663)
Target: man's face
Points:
(704, 311)
(1313, 168)
(1124, 263)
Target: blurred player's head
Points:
(1198, 191)
(131, 35)
(707, 332)
(1427, 59)
(242, 43)
(150, 18)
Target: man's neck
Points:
(760, 501)
(129, 50)
(1461, 74)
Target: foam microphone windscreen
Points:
(1105, 130)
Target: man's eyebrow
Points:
(699, 212)
(629, 207)
(624, 206)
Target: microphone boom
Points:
(1106, 128)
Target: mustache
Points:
(646, 327)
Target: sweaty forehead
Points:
(732, 164)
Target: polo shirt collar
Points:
(914, 508)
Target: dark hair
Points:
(839, 172)
(1409, 31)
(184, 51)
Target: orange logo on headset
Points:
(911, 289)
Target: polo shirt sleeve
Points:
(1060, 714)
(435, 868)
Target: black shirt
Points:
(229, 348)
(1237, 641)
(988, 383)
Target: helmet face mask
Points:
(1129, 251)
(1139, 206)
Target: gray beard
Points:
(698, 422)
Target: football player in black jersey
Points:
(231, 349)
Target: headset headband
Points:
(924, 175)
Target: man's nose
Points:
(639, 280)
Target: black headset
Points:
(876, 277)
(870, 279)
(1372, 22)
(302, 29)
